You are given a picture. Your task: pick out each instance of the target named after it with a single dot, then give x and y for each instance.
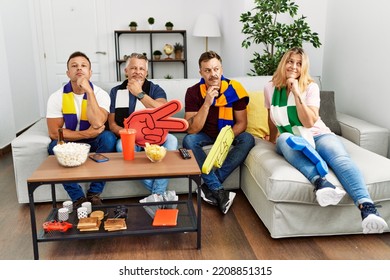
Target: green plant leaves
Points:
(262, 27)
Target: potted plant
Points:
(133, 26)
(169, 25)
(263, 27)
(157, 54)
(151, 22)
(168, 76)
(178, 49)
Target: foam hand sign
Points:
(219, 150)
(301, 144)
(153, 125)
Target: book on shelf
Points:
(165, 217)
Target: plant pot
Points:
(178, 54)
(156, 57)
(133, 28)
(169, 28)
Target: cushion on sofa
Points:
(328, 111)
(257, 115)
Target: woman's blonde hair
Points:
(279, 78)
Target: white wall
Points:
(19, 94)
(356, 58)
(7, 121)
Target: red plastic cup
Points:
(128, 142)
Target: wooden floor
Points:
(238, 235)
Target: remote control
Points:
(184, 153)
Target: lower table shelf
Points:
(116, 169)
(138, 222)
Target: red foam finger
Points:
(153, 125)
(167, 109)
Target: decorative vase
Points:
(178, 54)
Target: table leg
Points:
(53, 195)
(33, 221)
(199, 202)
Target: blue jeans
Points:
(103, 143)
(242, 144)
(155, 186)
(333, 152)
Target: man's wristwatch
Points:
(140, 95)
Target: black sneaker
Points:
(372, 222)
(207, 195)
(224, 199)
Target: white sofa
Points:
(282, 197)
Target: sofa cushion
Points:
(328, 111)
(257, 115)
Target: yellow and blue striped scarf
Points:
(230, 92)
(69, 109)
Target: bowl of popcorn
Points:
(71, 154)
(155, 152)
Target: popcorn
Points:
(155, 152)
(71, 154)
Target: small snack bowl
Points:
(155, 152)
(71, 154)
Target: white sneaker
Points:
(329, 196)
(152, 198)
(151, 209)
(374, 224)
(170, 196)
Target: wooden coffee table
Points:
(117, 169)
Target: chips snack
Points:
(155, 152)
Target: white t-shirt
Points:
(54, 104)
(311, 97)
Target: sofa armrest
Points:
(29, 150)
(367, 135)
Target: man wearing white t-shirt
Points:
(81, 109)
